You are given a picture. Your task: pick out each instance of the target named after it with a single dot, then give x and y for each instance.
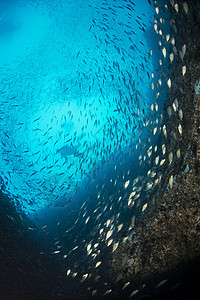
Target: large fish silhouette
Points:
(67, 150)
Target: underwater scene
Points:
(100, 149)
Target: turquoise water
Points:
(75, 90)
(82, 86)
(94, 128)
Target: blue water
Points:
(78, 116)
(73, 92)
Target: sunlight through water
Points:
(91, 127)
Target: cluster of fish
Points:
(64, 132)
(103, 224)
(103, 127)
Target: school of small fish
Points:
(89, 108)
